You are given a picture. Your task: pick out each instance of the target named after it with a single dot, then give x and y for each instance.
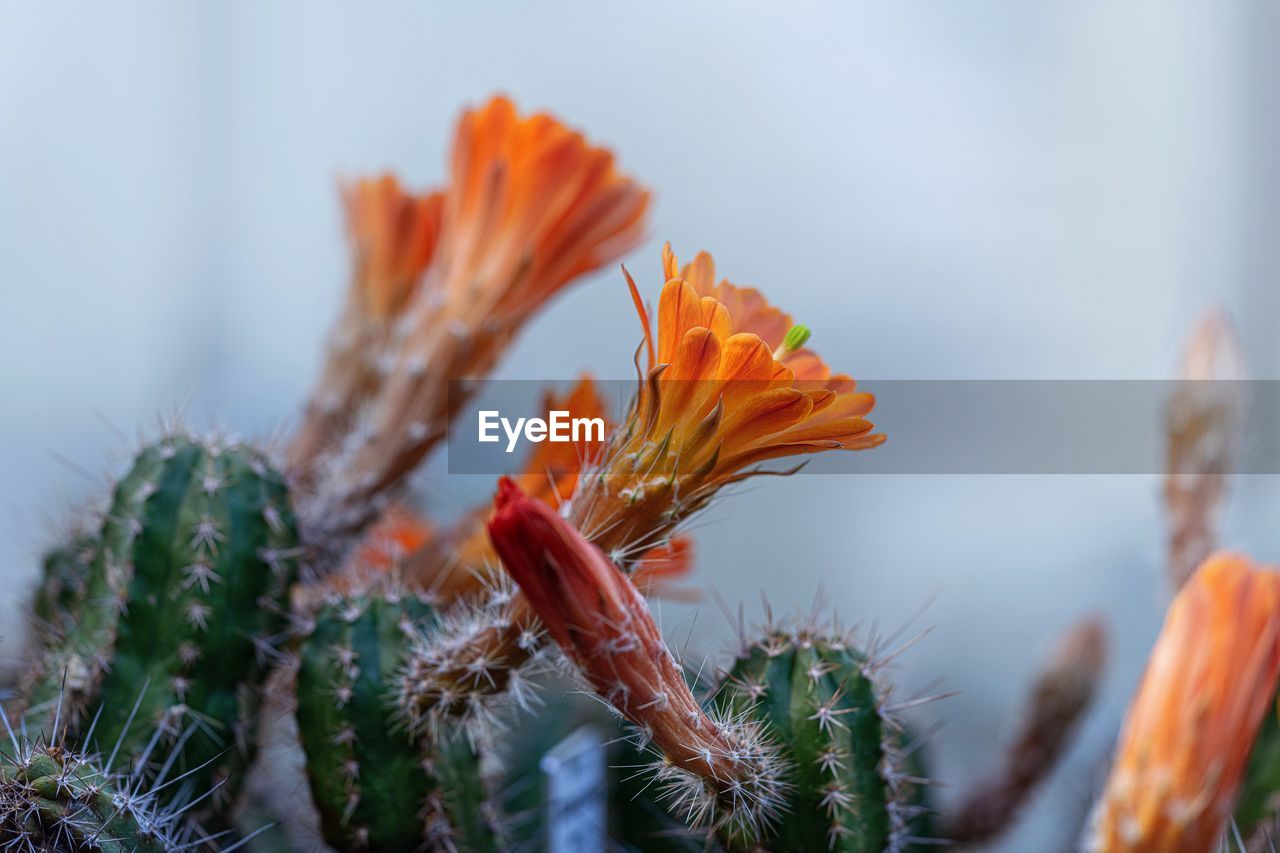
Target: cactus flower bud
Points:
(600, 620)
(1209, 682)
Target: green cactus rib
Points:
(1259, 801)
(64, 584)
(168, 638)
(56, 799)
(376, 786)
(816, 701)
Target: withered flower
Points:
(529, 206)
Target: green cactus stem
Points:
(815, 697)
(55, 798)
(165, 632)
(1260, 794)
(64, 584)
(377, 784)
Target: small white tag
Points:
(577, 794)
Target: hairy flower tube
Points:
(728, 385)
(393, 235)
(599, 619)
(1209, 682)
(529, 206)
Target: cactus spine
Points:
(815, 697)
(377, 784)
(167, 637)
(53, 798)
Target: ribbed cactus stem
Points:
(63, 586)
(170, 636)
(1259, 803)
(816, 695)
(55, 798)
(377, 784)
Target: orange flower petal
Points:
(679, 310)
(1190, 729)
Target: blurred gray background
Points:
(941, 190)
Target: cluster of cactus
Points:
(413, 692)
(161, 629)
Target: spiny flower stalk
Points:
(1203, 425)
(480, 659)
(379, 783)
(487, 652)
(529, 206)
(180, 610)
(600, 620)
(1209, 682)
(728, 385)
(1061, 694)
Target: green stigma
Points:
(797, 336)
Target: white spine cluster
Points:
(471, 667)
(746, 796)
(73, 815)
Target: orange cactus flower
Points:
(551, 472)
(394, 235)
(600, 620)
(1209, 682)
(399, 533)
(729, 385)
(660, 565)
(529, 206)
